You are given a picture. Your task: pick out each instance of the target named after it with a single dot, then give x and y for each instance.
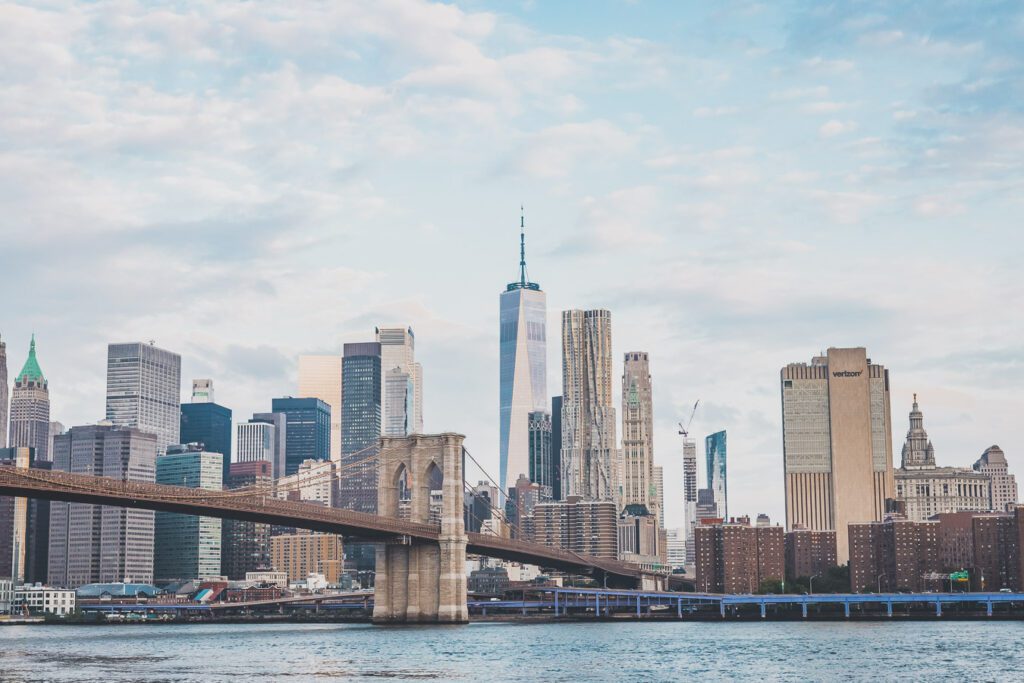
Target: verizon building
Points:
(837, 442)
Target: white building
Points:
(320, 377)
(399, 402)
(398, 352)
(44, 600)
(274, 578)
(523, 370)
(144, 391)
(314, 482)
(6, 595)
(1004, 486)
(255, 441)
(676, 546)
(690, 495)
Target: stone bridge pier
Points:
(421, 581)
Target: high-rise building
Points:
(556, 447)
(399, 400)
(398, 352)
(675, 540)
(639, 538)
(715, 459)
(30, 407)
(360, 435)
(523, 370)
(202, 391)
(314, 482)
(254, 442)
(56, 428)
(639, 486)
(542, 461)
(659, 494)
(99, 543)
(1003, 488)
(894, 554)
(205, 422)
(14, 513)
(736, 557)
(280, 424)
(589, 453)
(928, 489)
(581, 526)
(307, 430)
(837, 442)
(188, 547)
(245, 545)
(320, 377)
(689, 494)
(144, 391)
(3, 394)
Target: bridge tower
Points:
(420, 581)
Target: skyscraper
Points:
(399, 402)
(3, 394)
(280, 423)
(144, 390)
(361, 424)
(659, 494)
(589, 453)
(307, 430)
(320, 377)
(639, 486)
(523, 369)
(254, 442)
(542, 462)
(715, 455)
(207, 423)
(556, 447)
(245, 545)
(837, 442)
(188, 547)
(1004, 486)
(99, 543)
(30, 407)
(398, 351)
(689, 493)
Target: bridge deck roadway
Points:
(259, 506)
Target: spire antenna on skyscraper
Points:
(522, 246)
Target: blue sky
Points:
(742, 184)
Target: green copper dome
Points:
(31, 370)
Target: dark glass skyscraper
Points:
(360, 424)
(556, 446)
(308, 435)
(542, 469)
(715, 451)
(208, 424)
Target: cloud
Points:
(836, 127)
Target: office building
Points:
(245, 545)
(542, 458)
(316, 481)
(188, 547)
(639, 486)
(398, 397)
(736, 557)
(581, 526)
(556, 447)
(894, 554)
(94, 543)
(14, 519)
(639, 538)
(523, 368)
(307, 430)
(675, 547)
(398, 352)
(689, 494)
(590, 467)
(304, 553)
(280, 440)
(520, 503)
(715, 458)
(320, 377)
(39, 600)
(56, 428)
(1003, 485)
(144, 391)
(659, 493)
(928, 489)
(837, 442)
(30, 407)
(254, 442)
(3, 394)
(809, 553)
(361, 424)
(481, 502)
(205, 422)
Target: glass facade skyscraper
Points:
(144, 391)
(188, 547)
(523, 372)
(542, 464)
(360, 425)
(210, 425)
(715, 452)
(307, 430)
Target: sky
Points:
(741, 184)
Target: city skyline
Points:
(696, 261)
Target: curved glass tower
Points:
(523, 382)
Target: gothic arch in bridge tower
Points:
(422, 581)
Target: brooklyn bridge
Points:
(420, 564)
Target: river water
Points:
(665, 651)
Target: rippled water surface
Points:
(908, 651)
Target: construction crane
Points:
(685, 431)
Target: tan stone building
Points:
(305, 553)
(1004, 485)
(837, 442)
(639, 484)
